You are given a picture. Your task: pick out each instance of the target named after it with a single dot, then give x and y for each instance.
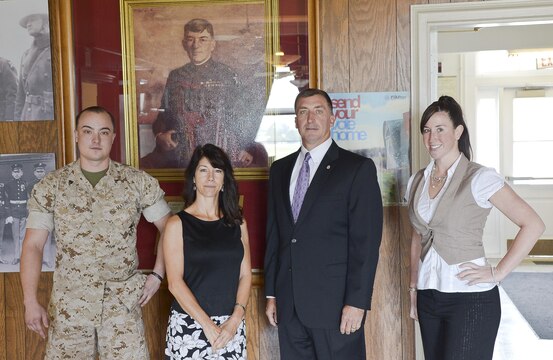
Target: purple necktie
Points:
(301, 187)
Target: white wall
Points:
(459, 70)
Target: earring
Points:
(194, 187)
(222, 188)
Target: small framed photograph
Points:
(19, 173)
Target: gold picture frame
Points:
(153, 46)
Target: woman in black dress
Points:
(207, 258)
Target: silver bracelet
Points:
(493, 275)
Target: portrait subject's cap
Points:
(23, 22)
(39, 166)
(17, 166)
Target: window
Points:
(514, 116)
(486, 142)
(277, 131)
(533, 137)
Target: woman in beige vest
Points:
(454, 293)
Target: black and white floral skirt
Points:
(186, 340)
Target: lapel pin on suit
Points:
(328, 167)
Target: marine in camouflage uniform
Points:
(95, 306)
(35, 97)
(8, 89)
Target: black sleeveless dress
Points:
(213, 253)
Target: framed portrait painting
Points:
(196, 72)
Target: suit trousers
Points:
(458, 326)
(299, 342)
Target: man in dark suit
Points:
(320, 268)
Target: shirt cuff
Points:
(156, 211)
(39, 220)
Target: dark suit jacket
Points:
(328, 258)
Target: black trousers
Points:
(298, 342)
(458, 326)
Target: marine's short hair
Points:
(97, 110)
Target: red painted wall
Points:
(98, 60)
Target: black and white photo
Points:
(26, 91)
(18, 174)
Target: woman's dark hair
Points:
(228, 198)
(448, 105)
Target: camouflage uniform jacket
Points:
(95, 229)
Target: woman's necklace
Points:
(436, 181)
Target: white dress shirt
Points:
(317, 155)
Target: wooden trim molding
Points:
(64, 78)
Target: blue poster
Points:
(376, 125)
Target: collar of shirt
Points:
(317, 155)
(450, 171)
(427, 207)
(111, 175)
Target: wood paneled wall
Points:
(363, 45)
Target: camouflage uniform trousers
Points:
(119, 336)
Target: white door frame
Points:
(428, 19)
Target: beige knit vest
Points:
(456, 229)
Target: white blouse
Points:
(434, 272)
